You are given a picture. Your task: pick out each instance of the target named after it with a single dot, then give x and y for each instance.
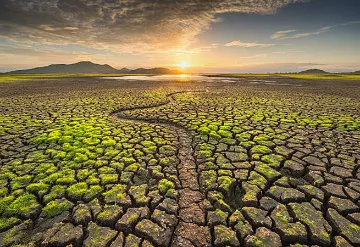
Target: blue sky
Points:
(210, 36)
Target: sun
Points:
(183, 65)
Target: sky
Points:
(195, 36)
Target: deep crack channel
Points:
(191, 227)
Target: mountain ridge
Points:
(313, 71)
(88, 67)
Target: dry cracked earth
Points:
(240, 162)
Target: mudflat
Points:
(246, 161)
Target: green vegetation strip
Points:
(298, 76)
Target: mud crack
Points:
(191, 215)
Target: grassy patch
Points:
(298, 76)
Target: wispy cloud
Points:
(29, 51)
(261, 55)
(286, 52)
(290, 34)
(247, 45)
(255, 56)
(281, 34)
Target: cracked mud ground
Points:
(97, 162)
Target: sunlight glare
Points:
(183, 64)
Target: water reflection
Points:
(204, 78)
(180, 77)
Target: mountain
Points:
(87, 67)
(124, 71)
(313, 71)
(154, 71)
(80, 67)
(356, 72)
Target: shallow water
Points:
(182, 77)
(198, 78)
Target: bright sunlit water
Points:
(200, 78)
(182, 77)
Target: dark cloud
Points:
(122, 25)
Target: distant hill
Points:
(154, 71)
(87, 67)
(356, 72)
(80, 67)
(313, 71)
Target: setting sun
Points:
(183, 65)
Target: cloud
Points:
(247, 59)
(34, 52)
(247, 45)
(286, 52)
(289, 34)
(120, 25)
(262, 55)
(281, 34)
(49, 28)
